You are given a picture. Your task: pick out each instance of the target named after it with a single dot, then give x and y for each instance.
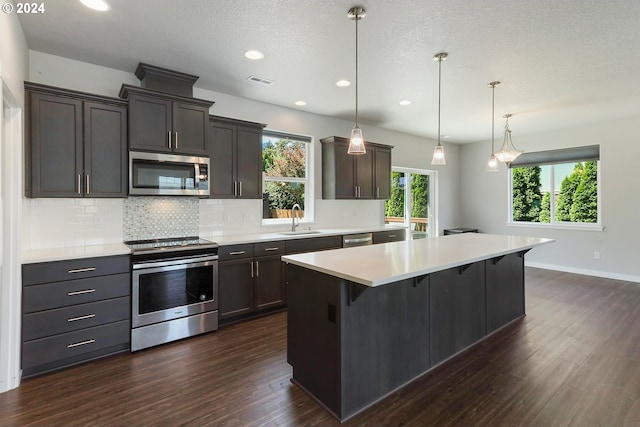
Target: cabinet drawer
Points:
(389, 236)
(313, 244)
(73, 344)
(72, 292)
(268, 248)
(226, 253)
(62, 320)
(55, 271)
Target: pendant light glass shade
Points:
(438, 152)
(492, 164)
(356, 143)
(508, 152)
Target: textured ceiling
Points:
(562, 63)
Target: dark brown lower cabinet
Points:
(269, 286)
(74, 311)
(505, 290)
(457, 310)
(235, 288)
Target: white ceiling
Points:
(562, 63)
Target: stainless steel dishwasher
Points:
(360, 239)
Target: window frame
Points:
(555, 157)
(308, 181)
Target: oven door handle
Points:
(178, 262)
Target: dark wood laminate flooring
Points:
(573, 361)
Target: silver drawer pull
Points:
(88, 316)
(391, 235)
(236, 253)
(271, 249)
(78, 344)
(86, 291)
(81, 270)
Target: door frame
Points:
(11, 171)
(432, 214)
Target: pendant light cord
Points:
(439, 93)
(493, 116)
(357, 19)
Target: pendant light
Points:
(508, 152)
(492, 165)
(438, 152)
(356, 143)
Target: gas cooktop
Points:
(169, 244)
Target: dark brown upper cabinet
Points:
(235, 148)
(76, 144)
(347, 176)
(165, 122)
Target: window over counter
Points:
(287, 177)
(556, 188)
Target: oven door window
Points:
(175, 288)
(163, 176)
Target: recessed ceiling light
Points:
(100, 5)
(301, 103)
(254, 54)
(343, 83)
(404, 102)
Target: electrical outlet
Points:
(596, 255)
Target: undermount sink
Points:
(290, 233)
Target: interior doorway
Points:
(412, 202)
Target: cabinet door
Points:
(364, 175)
(221, 149)
(269, 286)
(55, 145)
(505, 290)
(235, 287)
(105, 150)
(382, 173)
(457, 310)
(149, 123)
(345, 178)
(190, 123)
(249, 163)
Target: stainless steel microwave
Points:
(158, 174)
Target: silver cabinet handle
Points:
(257, 270)
(86, 291)
(377, 192)
(88, 184)
(235, 188)
(176, 141)
(169, 140)
(356, 190)
(237, 253)
(360, 240)
(78, 344)
(252, 269)
(391, 235)
(240, 188)
(271, 249)
(75, 319)
(81, 270)
(79, 184)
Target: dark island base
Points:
(351, 345)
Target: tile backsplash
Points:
(161, 217)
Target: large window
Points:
(558, 188)
(286, 176)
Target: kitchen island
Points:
(365, 321)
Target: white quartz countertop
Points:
(234, 239)
(385, 263)
(73, 252)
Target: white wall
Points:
(221, 217)
(484, 200)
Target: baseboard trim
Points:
(586, 272)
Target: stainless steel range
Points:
(174, 290)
